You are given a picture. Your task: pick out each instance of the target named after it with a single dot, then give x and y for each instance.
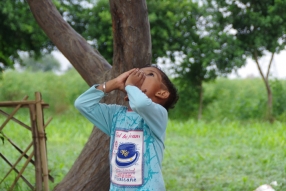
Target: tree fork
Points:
(132, 48)
(267, 86)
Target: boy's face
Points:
(153, 84)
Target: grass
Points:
(224, 156)
(199, 156)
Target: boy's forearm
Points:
(117, 83)
(109, 86)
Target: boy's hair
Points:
(174, 96)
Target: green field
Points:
(199, 156)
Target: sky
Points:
(278, 68)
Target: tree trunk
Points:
(132, 48)
(268, 88)
(201, 95)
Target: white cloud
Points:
(65, 64)
(277, 70)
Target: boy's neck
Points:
(129, 108)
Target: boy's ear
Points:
(163, 94)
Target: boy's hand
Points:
(136, 78)
(117, 83)
(121, 79)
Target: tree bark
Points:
(132, 48)
(201, 97)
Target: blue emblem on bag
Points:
(126, 155)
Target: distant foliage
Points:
(188, 103)
(279, 99)
(47, 63)
(59, 91)
(244, 99)
(236, 99)
(224, 99)
(19, 32)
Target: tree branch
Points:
(73, 46)
(258, 66)
(269, 65)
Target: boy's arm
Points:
(100, 114)
(155, 115)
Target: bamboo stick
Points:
(18, 160)
(12, 114)
(24, 179)
(48, 122)
(38, 166)
(16, 120)
(21, 171)
(40, 123)
(24, 103)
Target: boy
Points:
(137, 132)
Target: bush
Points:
(279, 99)
(59, 91)
(240, 99)
(187, 104)
(244, 99)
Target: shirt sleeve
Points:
(155, 115)
(99, 114)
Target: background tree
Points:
(206, 54)
(19, 32)
(259, 27)
(43, 64)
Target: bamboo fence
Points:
(38, 155)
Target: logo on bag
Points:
(126, 155)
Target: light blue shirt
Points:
(136, 138)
